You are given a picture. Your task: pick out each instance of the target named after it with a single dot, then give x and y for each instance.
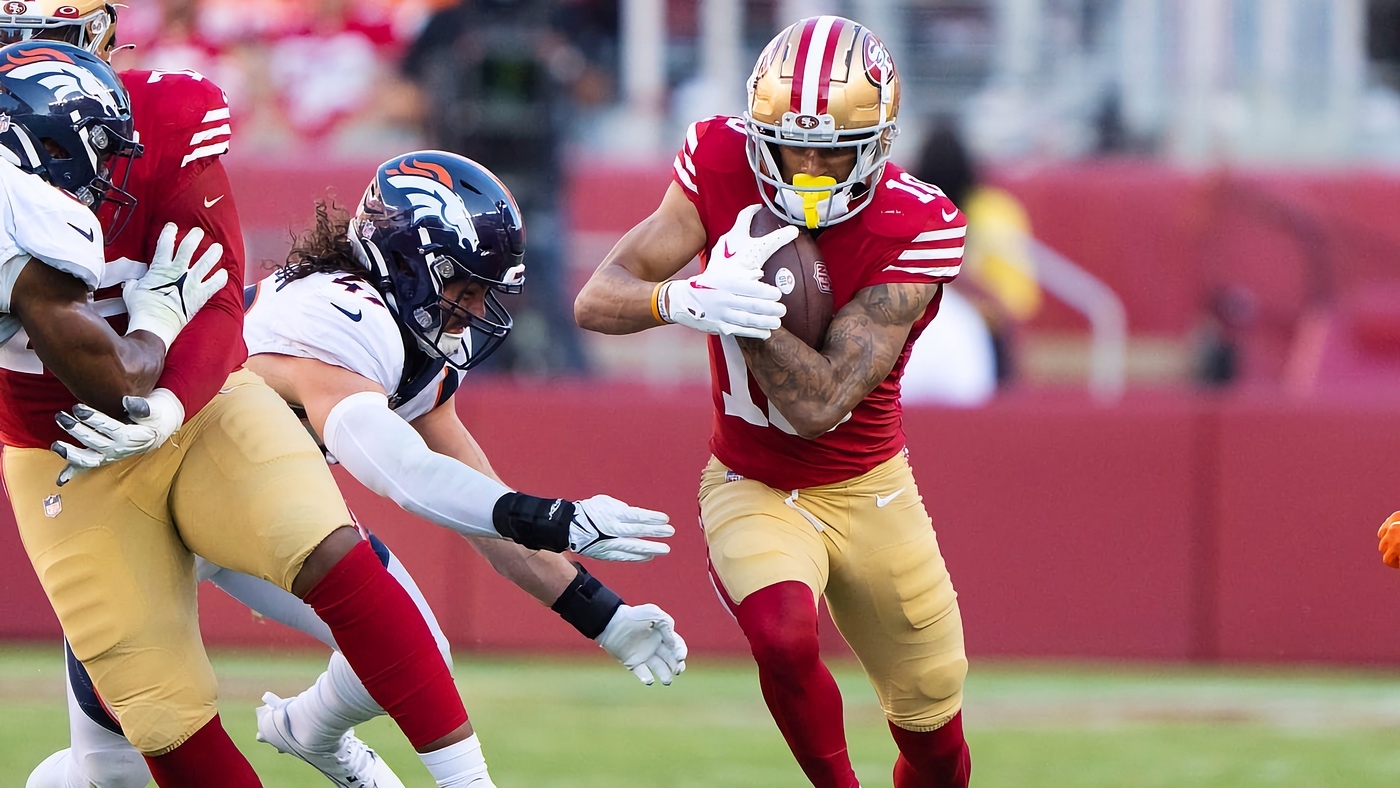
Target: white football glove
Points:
(108, 440)
(728, 296)
(608, 529)
(172, 290)
(644, 640)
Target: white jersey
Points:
(39, 221)
(339, 319)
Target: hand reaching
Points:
(609, 530)
(644, 640)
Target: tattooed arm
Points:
(815, 390)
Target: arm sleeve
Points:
(389, 457)
(211, 346)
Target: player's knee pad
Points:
(936, 696)
(113, 769)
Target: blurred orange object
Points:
(1389, 535)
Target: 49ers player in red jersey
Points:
(809, 492)
(113, 547)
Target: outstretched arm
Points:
(642, 638)
(814, 389)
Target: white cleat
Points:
(351, 765)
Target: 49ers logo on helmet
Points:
(16, 8)
(807, 122)
(877, 61)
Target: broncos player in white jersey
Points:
(366, 332)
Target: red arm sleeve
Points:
(211, 346)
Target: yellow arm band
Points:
(656, 310)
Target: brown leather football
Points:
(798, 271)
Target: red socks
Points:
(384, 638)
(932, 759)
(780, 622)
(207, 759)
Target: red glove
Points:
(1389, 535)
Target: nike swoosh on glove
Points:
(728, 297)
(173, 289)
(609, 530)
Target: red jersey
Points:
(909, 232)
(182, 119)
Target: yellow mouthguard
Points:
(810, 199)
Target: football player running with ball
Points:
(337, 333)
(809, 492)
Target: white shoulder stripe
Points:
(689, 163)
(215, 114)
(684, 176)
(951, 270)
(931, 254)
(941, 235)
(207, 150)
(692, 137)
(209, 134)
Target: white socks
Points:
(333, 705)
(459, 765)
(338, 702)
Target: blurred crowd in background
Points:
(551, 93)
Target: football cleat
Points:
(353, 764)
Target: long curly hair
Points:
(323, 248)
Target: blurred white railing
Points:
(1108, 320)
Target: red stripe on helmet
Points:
(800, 65)
(828, 55)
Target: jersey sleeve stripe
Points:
(684, 177)
(689, 163)
(941, 235)
(692, 137)
(931, 254)
(207, 150)
(949, 270)
(212, 115)
(209, 134)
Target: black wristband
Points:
(537, 523)
(587, 604)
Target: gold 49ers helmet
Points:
(88, 24)
(824, 82)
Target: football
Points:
(798, 271)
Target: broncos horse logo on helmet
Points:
(63, 116)
(429, 219)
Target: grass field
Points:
(588, 724)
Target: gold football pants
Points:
(868, 545)
(241, 483)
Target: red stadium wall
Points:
(1165, 528)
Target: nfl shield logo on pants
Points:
(52, 506)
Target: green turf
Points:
(588, 724)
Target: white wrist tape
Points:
(388, 456)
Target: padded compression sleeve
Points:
(389, 457)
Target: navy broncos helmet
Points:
(430, 219)
(63, 116)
